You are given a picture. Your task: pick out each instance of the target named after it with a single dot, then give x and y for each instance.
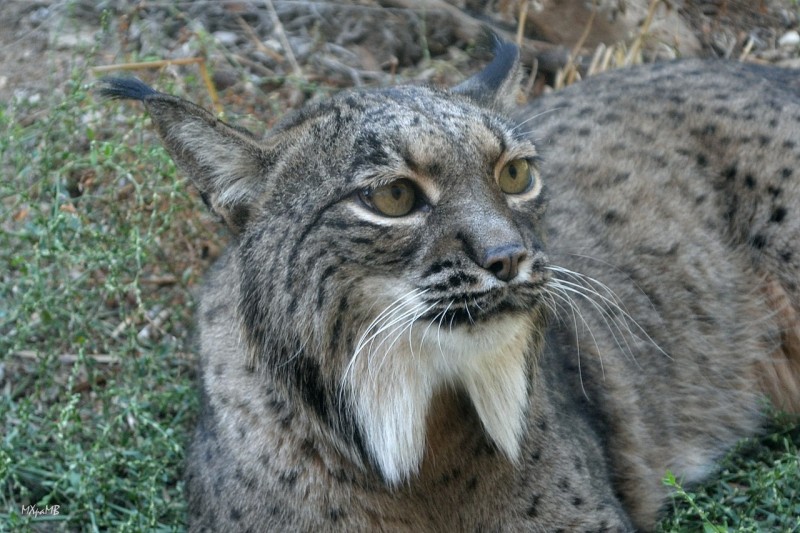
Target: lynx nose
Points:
(503, 261)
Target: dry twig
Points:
(70, 358)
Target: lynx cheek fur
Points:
(400, 339)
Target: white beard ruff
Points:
(396, 371)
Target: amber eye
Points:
(516, 177)
(395, 199)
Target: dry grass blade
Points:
(281, 34)
(637, 43)
(70, 358)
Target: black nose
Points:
(503, 261)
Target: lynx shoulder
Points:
(443, 313)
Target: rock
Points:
(226, 38)
(790, 38)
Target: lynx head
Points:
(388, 244)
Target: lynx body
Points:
(442, 313)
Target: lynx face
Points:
(405, 252)
(404, 258)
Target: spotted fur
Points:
(478, 364)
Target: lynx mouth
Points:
(470, 308)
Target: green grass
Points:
(101, 246)
(757, 488)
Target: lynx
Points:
(440, 312)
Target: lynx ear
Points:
(225, 163)
(497, 84)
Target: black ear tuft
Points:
(124, 89)
(506, 55)
(497, 84)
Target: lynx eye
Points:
(516, 177)
(395, 199)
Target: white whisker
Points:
(573, 308)
(616, 327)
(534, 117)
(439, 331)
(380, 323)
(390, 309)
(430, 323)
(412, 317)
(615, 330)
(466, 308)
(586, 285)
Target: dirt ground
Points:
(252, 47)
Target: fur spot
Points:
(328, 272)
(289, 478)
(562, 129)
(286, 421)
(758, 241)
(308, 448)
(778, 215)
(677, 116)
(238, 216)
(455, 280)
(434, 269)
(532, 511)
(307, 376)
(612, 217)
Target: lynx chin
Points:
(441, 312)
